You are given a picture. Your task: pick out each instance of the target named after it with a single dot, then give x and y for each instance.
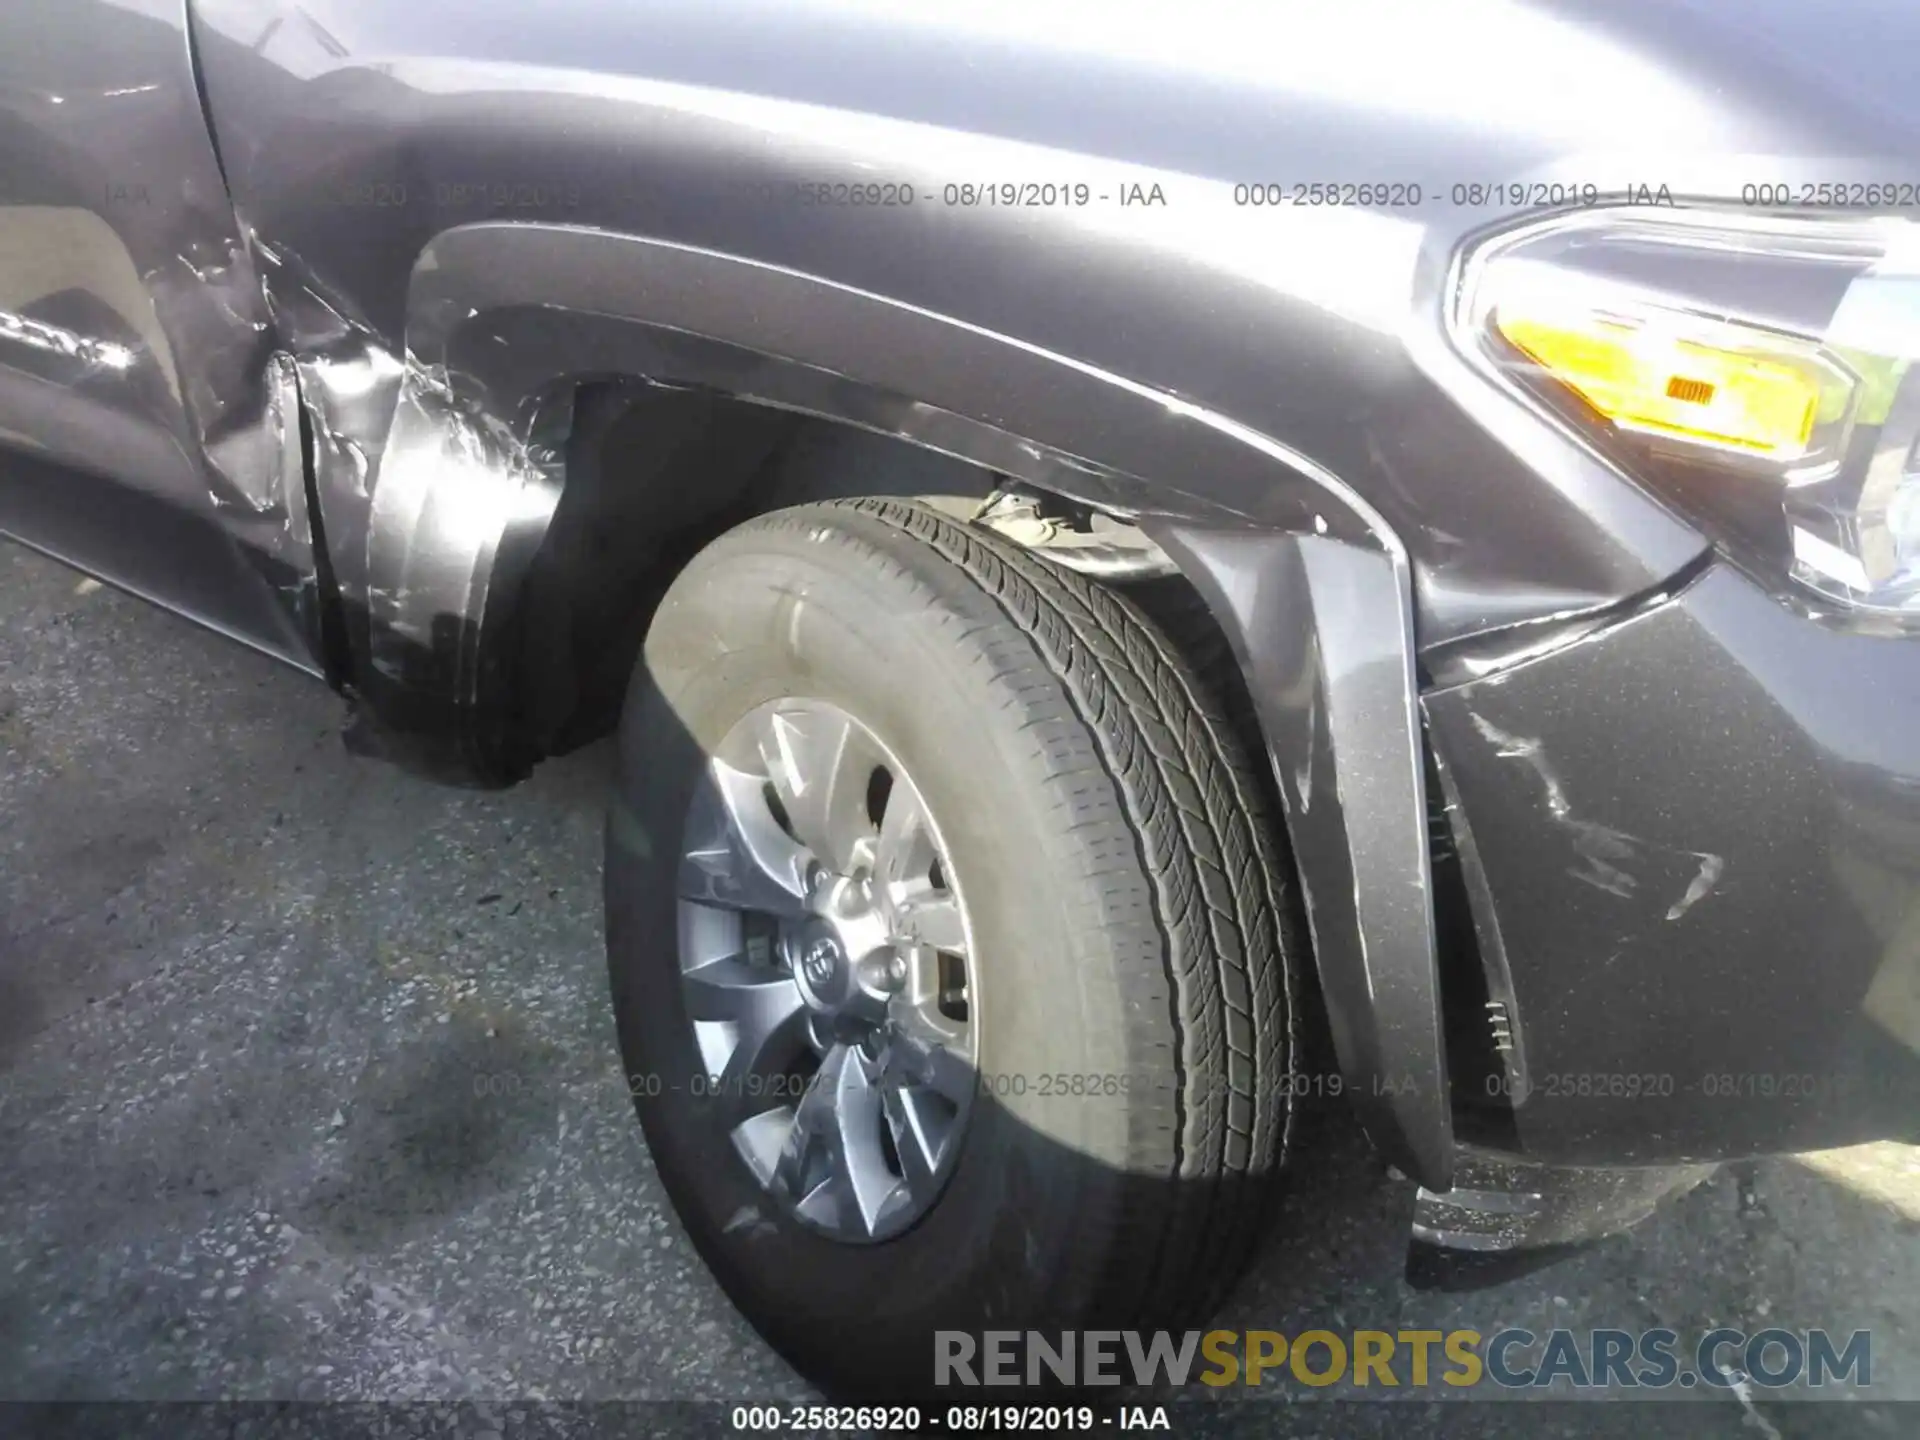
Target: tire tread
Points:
(1164, 740)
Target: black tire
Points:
(1130, 913)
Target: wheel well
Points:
(652, 474)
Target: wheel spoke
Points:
(762, 1138)
(820, 763)
(932, 919)
(755, 1078)
(920, 1124)
(798, 1171)
(917, 1058)
(769, 1028)
(754, 998)
(853, 1144)
(833, 1163)
(905, 851)
(737, 855)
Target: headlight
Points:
(1758, 373)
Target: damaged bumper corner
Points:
(1694, 837)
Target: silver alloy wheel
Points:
(825, 960)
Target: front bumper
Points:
(1691, 843)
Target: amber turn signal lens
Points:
(1645, 378)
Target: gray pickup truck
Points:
(1116, 538)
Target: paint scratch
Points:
(1711, 868)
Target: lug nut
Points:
(888, 973)
(856, 896)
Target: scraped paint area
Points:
(1609, 859)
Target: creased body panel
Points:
(157, 427)
(356, 134)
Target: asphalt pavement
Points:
(308, 1090)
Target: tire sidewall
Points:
(776, 614)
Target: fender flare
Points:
(1311, 586)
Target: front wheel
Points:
(949, 945)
